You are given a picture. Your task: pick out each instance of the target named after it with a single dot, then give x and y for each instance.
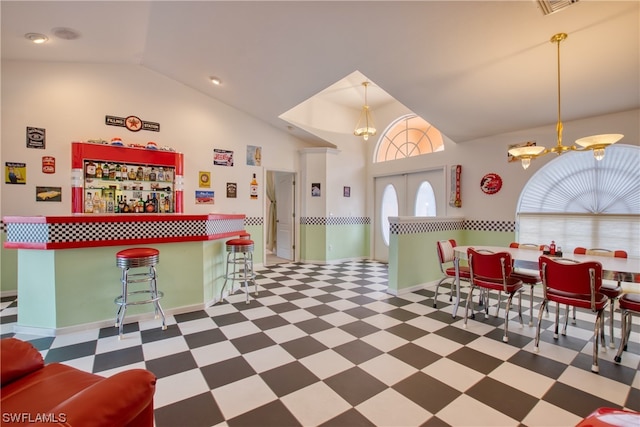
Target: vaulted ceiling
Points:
(471, 68)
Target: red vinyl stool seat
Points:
(138, 258)
(239, 265)
(629, 306)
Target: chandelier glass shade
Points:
(596, 143)
(365, 127)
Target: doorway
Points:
(280, 218)
(410, 194)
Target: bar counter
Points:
(67, 273)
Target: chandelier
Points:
(597, 143)
(365, 127)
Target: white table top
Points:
(624, 269)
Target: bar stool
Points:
(136, 258)
(239, 265)
(244, 235)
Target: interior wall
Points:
(489, 155)
(71, 101)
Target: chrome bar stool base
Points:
(138, 258)
(239, 265)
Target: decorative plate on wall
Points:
(491, 183)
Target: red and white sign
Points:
(48, 164)
(491, 183)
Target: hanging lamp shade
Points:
(596, 143)
(365, 127)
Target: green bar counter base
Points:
(67, 277)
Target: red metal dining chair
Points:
(446, 256)
(492, 271)
(531, 278)
(611, 289)
(575, 284)
(629, 306)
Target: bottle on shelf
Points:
(123, 172)
(113, 171)
(99, 171)
(125, 206)
(552, 248)
(140, 174)
(97, 203)
(153, 174)
(160, 176)
(88, 203)
(90, 170)
(253, 190)
(132, 174)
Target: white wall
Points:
(71, 101)
(489, 154)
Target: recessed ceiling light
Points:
(36, 38)
(215, 80)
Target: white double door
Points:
(406, 188)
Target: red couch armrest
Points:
(125, 398)
(17, 359)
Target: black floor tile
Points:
(273, 414)
(475, 360)
(355, 385)
(415, 355)
(226, 372)
(115, 359)
(357, 351)
(288, 378)
(427, 392)
(197, 411)
(70, 352)
(506, 399)
(171, 364)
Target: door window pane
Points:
(425, 200)
(389, 208)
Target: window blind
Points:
(587, 230)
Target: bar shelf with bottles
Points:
(115, 179)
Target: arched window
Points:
(407, 137)
(576, 200)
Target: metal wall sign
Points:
(36, 137)
(132, 123)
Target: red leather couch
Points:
(34, 394)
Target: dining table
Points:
(618, 269)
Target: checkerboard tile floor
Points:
(325, 345)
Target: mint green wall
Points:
(8, 267)
(347, 241)
(38, 269)
(77, 286)
(313, 242)
(257, 236)
(413, 259)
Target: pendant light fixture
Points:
(365, 127)
(597, 143)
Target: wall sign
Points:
(48, 164)
(455, 200)
(36, 137)
(491, 183)
(133, 123)
(222, 157)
